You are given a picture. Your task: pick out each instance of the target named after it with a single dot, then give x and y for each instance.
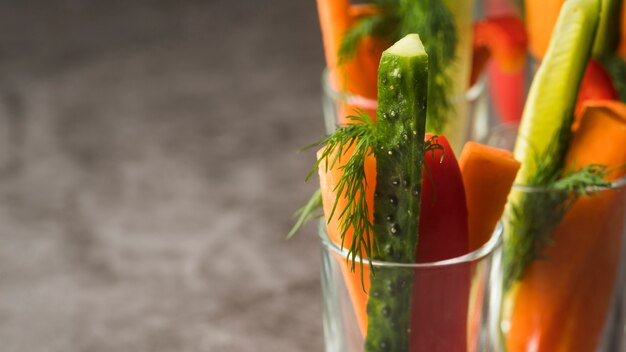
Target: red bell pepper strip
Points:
(596, 85)
(504, 40)
(439, 322)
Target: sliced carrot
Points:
(358, 75)
(541, 15)
(329, 178)
(365, 74)
(552, 310)
(488, 174)
(334, 22)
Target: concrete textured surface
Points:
(148, 168)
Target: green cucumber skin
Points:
(545, 132)
(401, 118)
(607, 36)
(549, 108)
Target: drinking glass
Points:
(566, 297)
(454, 306)
(570, 295)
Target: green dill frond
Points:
(584, 181)
(310, 211)
(371, 26)
(532, 221)
(353, 183)
(432, 145)
(435, 24)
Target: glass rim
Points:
(473, 93)
(482, 252)
(615, 185)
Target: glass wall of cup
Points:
(454, 302)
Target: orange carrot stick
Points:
(541, 15)
(329, 179)
(488, 174)
(358, 75)
(334, 22)
(552, 309)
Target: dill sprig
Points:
(435, 23)
(310, 211)
(376, 25)
(532, 221)
(352, 184)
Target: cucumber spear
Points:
(401, 118)
(544, 136)
(397, 142)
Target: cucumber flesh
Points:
(401, 122)
(544, 135)
(548, 114)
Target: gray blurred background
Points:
(148, 169)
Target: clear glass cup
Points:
(567, 298)
(473, 106)
(571, 297)
(454, 306)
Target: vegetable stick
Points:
(596, 84)
(443, 235)
(541, 15)
(602, 129)
(504, 40)
(488, 174)
(329, 178)
(508, 91)
(334, 22)
(540, 310)
(443, 218)
(607, 35)
(589, 233)
(357, 75)
(588, 305)
(399, 135)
